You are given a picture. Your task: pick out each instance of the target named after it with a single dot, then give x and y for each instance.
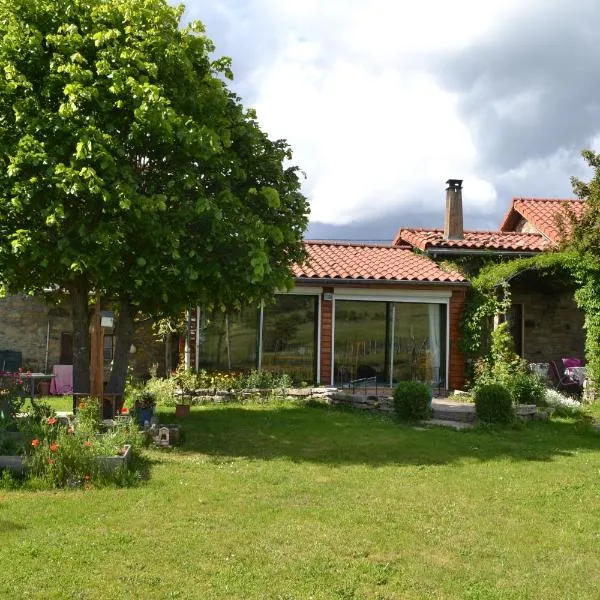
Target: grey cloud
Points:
(424, 213)
(549, 52)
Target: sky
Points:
(382, 101)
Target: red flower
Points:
(124, 410)
(54, 447)
(87, 444)
(50, 461)
(87, 477)
(51, 420)
(35, 443)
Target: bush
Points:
(525, 388)
(493, 404)
(163, 391)
(412, 400)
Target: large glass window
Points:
(361, 332)
(289, 338)
(228, 341)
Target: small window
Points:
(108, 348)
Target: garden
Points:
(281, 499)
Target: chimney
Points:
(453, 220)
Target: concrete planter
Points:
(12, 463)
(108, 463)
(112, 463)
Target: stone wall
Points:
(24, 324)
(553, 326)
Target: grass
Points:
(288, 502)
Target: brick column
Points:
(456, 377)
(326, 338)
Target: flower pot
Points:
(182, 410)
(43, 388)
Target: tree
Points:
(129, 169)
(581, 231)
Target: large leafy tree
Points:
(129, 169)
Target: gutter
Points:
(397, 282)
(457, 251)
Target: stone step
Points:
(447, 414)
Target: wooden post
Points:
(97, 354)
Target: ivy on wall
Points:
(489, 296)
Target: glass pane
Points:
(360, 340)
(419, 342)
(289, 337)
(229, 341)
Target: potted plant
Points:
(143, 407)
(185, 380)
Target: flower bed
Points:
(61, 452)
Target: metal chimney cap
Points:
(454, 184)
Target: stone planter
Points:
(12, 463)
(112, 463)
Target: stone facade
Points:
(552, 326)
(28, 324)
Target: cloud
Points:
(382, 101)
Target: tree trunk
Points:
(79, 291)
(124, 337)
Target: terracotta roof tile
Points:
(346, 261)
(541, 213)
(426, 239)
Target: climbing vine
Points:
(489, 294)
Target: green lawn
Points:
(285, 502)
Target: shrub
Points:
(525, 388)
(412, 400)
(162, 390)
(493, 404)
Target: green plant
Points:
(525, 388)
(412, 400)
(493, 404)
(163, 390)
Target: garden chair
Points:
(561, 380)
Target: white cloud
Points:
(347, 84)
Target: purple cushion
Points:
(571, 362)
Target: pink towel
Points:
(62, 382)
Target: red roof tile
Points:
(426, 239)
(541, 213)
(346, 261)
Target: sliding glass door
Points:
(391, 341)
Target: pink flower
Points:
(54, 447)
(35, 443)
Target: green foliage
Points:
(130, 169)
(525, 388)
(489, 294)
(493, 404)
(412, 400)
(503, 366)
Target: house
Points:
(389, 312)
(544, 319)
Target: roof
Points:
(541, 213)
(428, 239)
(351, 261)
